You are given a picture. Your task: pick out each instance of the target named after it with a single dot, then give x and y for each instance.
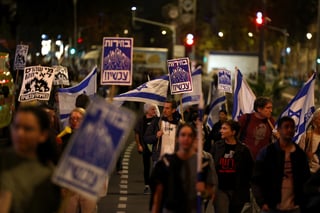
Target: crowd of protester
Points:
(246, 166)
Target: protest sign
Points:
(20, 58)
(117, 61)
(37, 83)
(61, 76)
(180, 76)
(224, 81)
(94, 148)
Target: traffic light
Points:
(189, 41)
(80, 40)
(259, 19)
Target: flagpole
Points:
(181, 108)
(200, 148)
(112, 92)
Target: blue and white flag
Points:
(218, 100)
(193, 98)
(154, 91)
(301, 107)
(243, 97)
(67, 96)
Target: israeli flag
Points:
(67, 96)
(301, 107)
(243, 97)
(154, 91)
(193, 98)
(218, 103)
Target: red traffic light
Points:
(80, 40)
(189, 39)
(259, 19)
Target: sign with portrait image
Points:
(117, 61)
(37, 83)
(180, 76)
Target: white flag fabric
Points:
(154, 91)
(193, 98)
(218, 100)
(301, 107)
(243, 97)
(67, 96)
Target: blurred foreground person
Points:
(174, 179)
(280, 172)
(25, 170)
(234, 166)
(75, 202)
(146, 150)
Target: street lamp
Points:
(250, 34)
(164, 32)
(309, 36)
(220, 34)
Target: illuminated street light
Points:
(250, 34)
(220, 34)
(44, 36)
(125, 31)
(163, 32)
(288, 50)
(133, 8)
(309, 36)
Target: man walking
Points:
(162, 131)
(256, 128)
(281, 171)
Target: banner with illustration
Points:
(117, 61)
(180, 76)
(61, 76)
(20, 58)
(37, 83)
(224, 81)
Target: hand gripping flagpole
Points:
(200, 148)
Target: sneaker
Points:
(146, 190)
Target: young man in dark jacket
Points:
(281, 171)
(161, 132)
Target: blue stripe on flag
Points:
(236, 94)
(80, 86)
(144, 95)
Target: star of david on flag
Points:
(301, 107)
(154, 91)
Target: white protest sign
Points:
(61, 76)
(37, 83)
(117, 61)
(20, 58)
(94, 149)
(224, 81)
(180, 75)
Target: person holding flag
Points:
(161, 132)
(257, 127)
